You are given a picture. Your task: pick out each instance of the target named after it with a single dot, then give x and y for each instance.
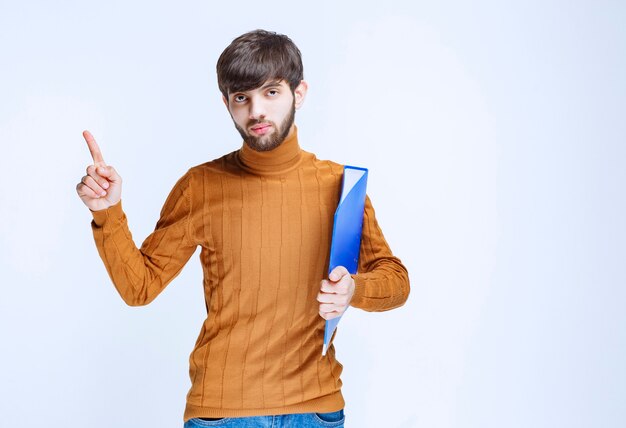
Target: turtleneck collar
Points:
(278, 160)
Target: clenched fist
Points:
(102, 186)
(335, 293)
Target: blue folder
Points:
(346, 240)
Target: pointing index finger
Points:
(96, 154)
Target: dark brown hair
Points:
(257, 57)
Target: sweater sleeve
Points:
(140, 274)
(382, 281)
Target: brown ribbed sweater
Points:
(264, 223)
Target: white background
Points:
(494, 133)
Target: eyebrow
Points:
(270, 84)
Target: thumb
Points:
(109, 173)
(338, 273)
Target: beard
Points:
(265, 143)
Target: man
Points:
(262, 216)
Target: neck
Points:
(275, 161)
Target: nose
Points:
(257, 109)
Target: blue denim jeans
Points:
(300, 420)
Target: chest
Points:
(291, 211)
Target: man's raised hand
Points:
(102, 186)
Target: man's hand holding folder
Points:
(335, 293)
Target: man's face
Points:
(264, 116)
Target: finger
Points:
(328, 287)
(93, 185)
(325, 298)
(329, 313)
(333, 287)
(328, 308)
(338, 273)
(340, 301)
(330, 316)
(103, 182)
(94, 149)
(109, 173)
(83, 190)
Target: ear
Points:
(300, 93)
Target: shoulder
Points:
(326, 164)
(205, 174)
(226, 164)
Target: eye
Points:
(239, 98)
(272, 92)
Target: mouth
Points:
(261, 128)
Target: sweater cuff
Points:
(114, 212)
(359, 291)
